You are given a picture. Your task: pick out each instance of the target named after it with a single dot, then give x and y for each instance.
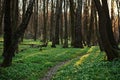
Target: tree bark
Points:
(10, 50)
(65, 25)
(7, 34)
(109, 25)
(72, 18)
(78, 26)
(35, 20)
(1, 16)
(111, 52)
(45, 23)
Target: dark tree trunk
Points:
(103, 23)
(14, 18)
(51, 20)
(66, 26)
(61, 24)
(78, 31)
(91, 26)
(35, 20)
(9, 48)
(45, 23)
(61, 27)
(85, 23)
(109, 25)
(72, 16)
(118, 11)
(57, 17)
(7, 34)
(1, 16)
(53, 26)
(23, 12)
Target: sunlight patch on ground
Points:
(61, 53)
(91, 49)
(25, 57)
(81, 60)
(1, 39)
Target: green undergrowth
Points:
(30, 41)
(33, 64)
(92, 66)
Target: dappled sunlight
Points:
(81, 60)
(91, 54)
(62, 53)
(59, 39)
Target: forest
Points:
(59, 39)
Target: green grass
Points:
(30, 41)
(33, 64)
(91, 66)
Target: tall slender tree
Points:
(65, 24)
(72, 19)
(1, 15)
(35, 20)
(57, 17)
(78, 26)
(45, 23)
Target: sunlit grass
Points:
(33, 64)
(81, 60)
(1, 39)
(92, 66)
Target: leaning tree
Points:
(105, 30)
(10, 42)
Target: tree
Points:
(72, 17)
(45, 23)
(65, 24)
(35, 20)
(14, 18)
(104, 27)
(23, 12)
(118, 10)
(10, 49)
(57, 21)
(7, 29)
(78, 26)
(1, 15)
(52, 24)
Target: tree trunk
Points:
(35, 20)
(109, 25)
(23, 13)
(1, 16)
(9, 48)
(111, 52)
(78, 27)
(45, 24)
(7, 34)
(72, 17)
(66, 26)
(57, 17)
(53, 26)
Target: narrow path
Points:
(54, 69)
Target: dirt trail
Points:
(54, 69)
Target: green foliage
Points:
(91, 67)
(30, 41)
(33, 64)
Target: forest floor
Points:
(59, 64)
